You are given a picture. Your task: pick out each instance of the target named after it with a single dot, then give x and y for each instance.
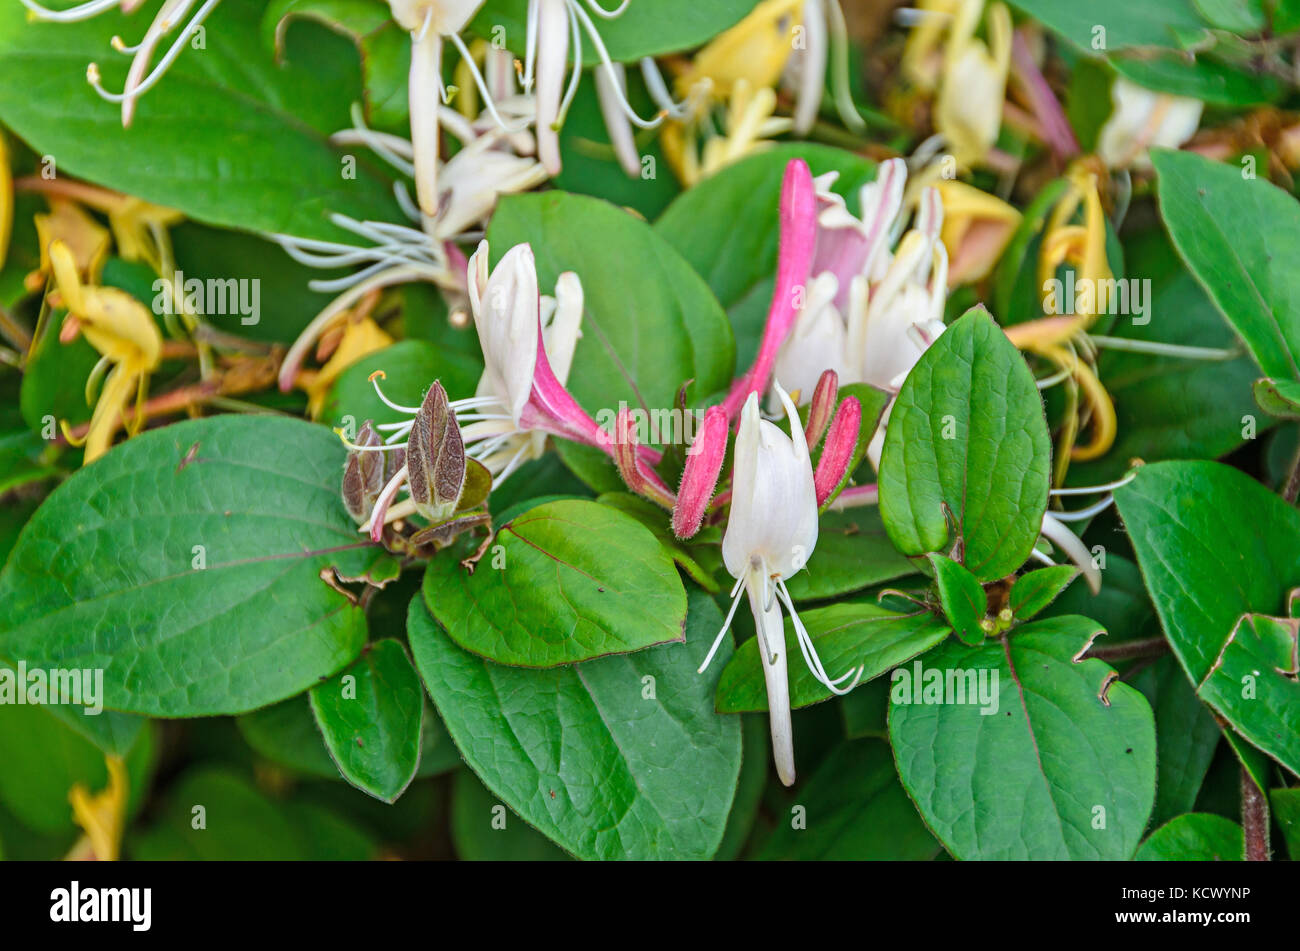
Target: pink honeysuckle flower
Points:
(822, 407)
(771, 533)
(700, 475)
(794, 261)
(631, 466)
(848, 246)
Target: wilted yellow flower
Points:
(976, 229)
(123, 331)
(102, 815)
(361, 337)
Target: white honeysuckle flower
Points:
(818, 342)
(823, 47)
(1142, 119)
(771, 533)
(140, 78)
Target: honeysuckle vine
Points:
(411, 392)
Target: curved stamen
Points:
(1079, 515)
(135, 91)
(72, 15)
(374, 381)
(601, 12)
(809, 650)
(608, 63)
(482, 86)
(658, 89)
(1094, 489)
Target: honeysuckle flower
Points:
(139, 227)
(85, 239)
(1056, 529)
(101, 815)
(969, 78)
(123, 331)
(361, 337)
(822, 407)
(825, 47)
(1061, 338)
(977, 227)
(771, 533)
(736, 70)
(429, 22)
(837, 454)
(139, 78)
(528, 343)
(6, 200)
(635, 473)
(1142, 119)
(700, 474)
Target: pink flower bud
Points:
(822, 406)
(837, 455)
(639, 479)
(700, 476)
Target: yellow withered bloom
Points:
(755, 51)
(102, 815)
(138, 226)
(6, 200)
(1061, 337)
(86, 240)
(966, 75)
(738, 69)
(361, 337)
(976, 229)
(123, 331)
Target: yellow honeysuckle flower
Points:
(85, 238)
(102, 815)
(755, 50)
(976, 229)
(360, 338)
(1083, 248)
(968, 110)
(748, 126)
(122, 330)
(922, 62)
(6, 200)
(136, 224)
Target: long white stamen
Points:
(1094, 489)
(736, 594)
(1164, 349)
(1079, 515)
(658, 89)
(135, 86)
(809, 650)
(511, 127)
(374, 381)
(600, 11)
(608, 63)
(81, 12)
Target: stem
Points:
(1254, 819)
(1131, 650)
(1292, 489)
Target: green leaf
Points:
(1210, 80)
(576, 580)
(1279, 398)
(621, 757)
(1061, 764)
(1186, 737)
(1253, 684)
(727, 227)
(846, 636)
(105, 574)
(853, 552)
(240, 823)
(259, 131)
(1286, 810)
(967, 440)
(650, 324)
(1213, 545)
(755, 743)
(1237, 236)
(1195, 837)
(659, 522)
(962, 596)
(44, 758)
(483, 830)
(1035, 590)
(1115, 24)
(385, 48)
(666, 26)
(370, 717)
(856, 811)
